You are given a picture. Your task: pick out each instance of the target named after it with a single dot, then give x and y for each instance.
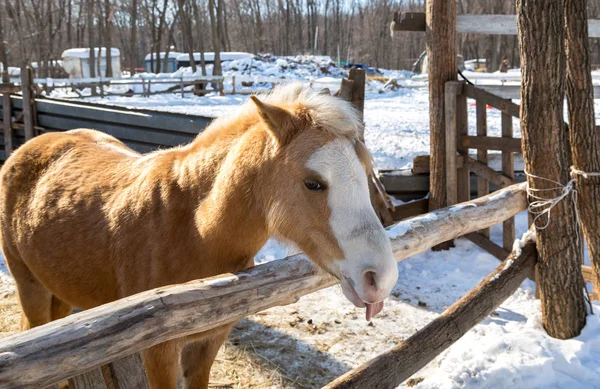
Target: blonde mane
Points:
(329, 113)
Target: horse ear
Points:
(279, 121)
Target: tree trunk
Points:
(546, 154)
(108, 14)
(215, 39)
(200, 40)
(133, 42)
(187, 32)
(90, 26)
(3, 53)
(585, 141)
(441, 57)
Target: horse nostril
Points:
(369, 280)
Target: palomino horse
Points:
(85, 220)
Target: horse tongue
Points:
(373, 309)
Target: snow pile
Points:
(300, 67)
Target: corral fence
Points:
(25, 116)
(99, 348)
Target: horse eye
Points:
(314, 185)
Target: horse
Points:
(85, 220)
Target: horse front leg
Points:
(162, 364)
(198, 356)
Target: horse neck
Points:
(230, 214)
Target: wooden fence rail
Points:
(142, 130)
(391, 368)
(87, 340)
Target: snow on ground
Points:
(323, 335)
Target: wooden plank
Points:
(91, 112)
(390, 369)
(513, 91)
(485, 243)
(487, 174)
(92, 379)
(359, 77)
(7, 87)
(345, 91)
(491, 143)
(496, 25)
(411, 209)
(462, 128)
(60, 349)
(27, 102)
(129, 373)
(508, 170)
(506, 106)
(442, 63)
(450, 107)
(421, 164)
(6, 119)
(483, 185)
(415, 186)
(121, 132)
(409, 21)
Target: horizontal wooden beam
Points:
(491, 143)
(504, 105)
(9, 88)
(89, 339)
(480, 24)
(488, 173)
(489, 246)
(410, 209)
(390, 369)
(409, 21)
(513, 91)
(422, 163)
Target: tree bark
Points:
(215, 39)
(133, 42)
(3, 53)
(546, 154)
(585, 141)
(90, 26)
(108, 14)
(187, 32)
(441, 57)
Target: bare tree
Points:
(541, 38)
(585, 140)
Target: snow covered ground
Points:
(322, 335)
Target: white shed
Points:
(76, 62)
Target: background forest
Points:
(351, 30)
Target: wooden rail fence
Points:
(85, 341)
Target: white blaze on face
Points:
(368, 271)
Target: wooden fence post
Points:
(92, 379)
(483, 185)
(129, 373)
(508, 170)
(7, 118)
(26, 81)
(451, 144)
(441, 56)
(463, 179)
(233, 84)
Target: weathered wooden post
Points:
(585, 139)
(441, 57)
(7, 117)
(546, 153)
(26, 84)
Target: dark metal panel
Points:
(121, 132)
